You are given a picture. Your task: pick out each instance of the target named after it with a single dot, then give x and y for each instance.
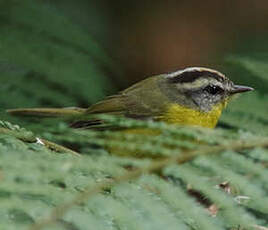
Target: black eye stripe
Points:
(191, 76)
(213, 89)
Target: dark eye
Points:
(213, 89)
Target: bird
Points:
(193, 96)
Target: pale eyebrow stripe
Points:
(198, 83)
(191, 76)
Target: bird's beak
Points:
(240, 89)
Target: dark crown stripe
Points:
(191, 76)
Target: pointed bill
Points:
(240, 89)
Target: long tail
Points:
(48, 112)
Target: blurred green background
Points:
(73, 53)
(61, 53)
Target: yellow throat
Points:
(177, 114)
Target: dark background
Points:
(147, 37)
(74, 53)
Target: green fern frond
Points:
(172, 180)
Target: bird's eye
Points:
(213, 89)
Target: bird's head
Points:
(201, 88)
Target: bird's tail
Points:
(48, 112)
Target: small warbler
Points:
(193, 96)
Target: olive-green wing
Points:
(111, 105)
(143, 100)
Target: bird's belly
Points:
(177, 114)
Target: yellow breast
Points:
(177, 114)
